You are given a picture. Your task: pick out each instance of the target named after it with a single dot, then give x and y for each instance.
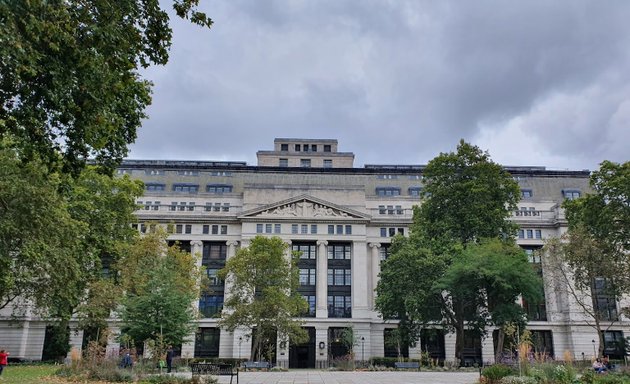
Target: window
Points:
(327, 148)
(399, 210)
(614, 343)
(340, 252)
(205, 229)
(294, 229)
(538, 234)
(415, 191)
(526, 194)
(313, 229)
(186, 188)
(304, 229)
(277, 228)
(521, 234)
(153, 172)
(340, 306)
(604, 301)
(217, 207)
(307, 251)
(283, 163)
(207, 342)
(210, 305)
(208, 207)
(387, 177)
(328, 163)
(307, 276)
(224, 229)
(188, 228)
(259, 228)
(221, 173)
(218, 188)
(331, 229)
(339, 229)
(226, 207)
(571, 194)
(191, 206)
(383, 252)
(305, 163)
(182, 206)
(391, 345)
(173, 206)
(348, 229)
(178, 228)
(267, 228)
(387, 191)
(154, 187)
(310, 299)
(530, 234)
(298, 147)
(215, 230)
(339, 276)
(213, 251)
(213, 278)
(313, 147)
(383, 232)
(284, 147)
(382, 210)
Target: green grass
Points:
(26, 374)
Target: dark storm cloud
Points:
(397, 82)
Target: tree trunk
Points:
(500, 342)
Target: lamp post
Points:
(362, 350)
(594, 353)
(240, 341)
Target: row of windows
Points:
(335, 276)
(161, 172)
(304, 163)
(395, 191)
(305, 147)
(304, 229)
(395, 177)
(189, 206)
(215, 229)
(189, 188)
(525, 211)
(529, 234)
(569, 194)
(391, 232)
(390, 210)
(206, 229)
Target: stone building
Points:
(342, 219)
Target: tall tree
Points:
(263, 294)
(160, 285)
(70, 86)
(467, 200)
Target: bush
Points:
(496, 372)
(167, 379)
(518, 380)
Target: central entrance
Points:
(303, 355)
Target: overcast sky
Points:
(397, 82)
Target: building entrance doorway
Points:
(303, 355)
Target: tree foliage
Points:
(70, 86)
(263, 293)
(460, 266)
(160, 284)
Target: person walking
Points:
(4, 355)
(169, 359)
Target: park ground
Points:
(44, 374)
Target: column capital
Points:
(322, 242)
(232, 243)
(375, 245)
(196, 243)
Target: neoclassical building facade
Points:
(342, 220)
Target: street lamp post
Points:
(240, 341)
(362, 350)
(594, 353)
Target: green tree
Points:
(160, 285)
(580, 261)
(467, 201)
(70, 86)
(263, 294)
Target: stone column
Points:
(487, 349)
(231, 251)
(360, 292)
(196, 249)
(321, 295)
(376, 269)
(321, 340)
(226, 339)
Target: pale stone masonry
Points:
(342, 219)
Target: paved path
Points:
(327, 377)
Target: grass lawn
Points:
(27, 374)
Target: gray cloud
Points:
(397, 82)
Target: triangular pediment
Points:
(304, 206)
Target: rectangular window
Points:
(392, 232)
(212, 252)
(213, 279)
(313, 229)
(305, 163)
(188, 228)
(339, 306)
(538, 234)
(530, 234)
(208, 207)
(173, 206)
(383, 232)
(415, 191)
(154, 187)
(215, 230)
(186, 188)
(259, 228)
(294, 229)
(298, 147)
(339, 252)
(217, 207)
(327, 148)
(381, 210)
(221, 173)
(277, 228)
(182, 206)
(224, 229)
(284, 147)
(399, 210)
(283, 163)
(328, 163)
(387, 191)
(313, 147)
(268, 228)
(205, 229)
(571, 194)
(339, 229)
(348, 229)
(604, 301)
(307, 276)
(307, 251)
(188, 173)
(207, 342)
(218, 188)
(191, 206)
(331, 229)
(304, 229)
(210, 305)
(383, 252)
(526, 194)
(310, 299)
(521, 234)
(613, 345)
(226, 207)
(178, 228)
